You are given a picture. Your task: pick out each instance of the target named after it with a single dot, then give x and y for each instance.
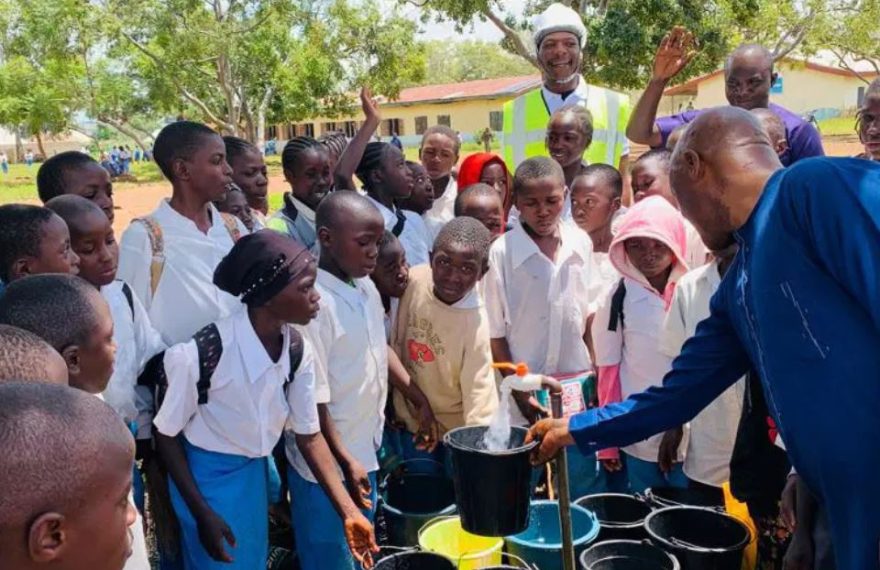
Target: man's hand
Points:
(611, 465)
(428, 435)
(529, 406)
(360, 538)
(357, 480)
(676, 50)
(370, 106)
(553, 435)
(213, 531)
(668, 452)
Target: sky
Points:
(478, 30)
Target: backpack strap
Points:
(297, 350)
(155, 379)
(616, 315)
(129, 297)
(231, 223)
(210, 349)
(157, 245)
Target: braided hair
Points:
(370, 162)
(295, 148)
(236, 147)
(335, 142)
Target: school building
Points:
(468, 107)
(803, 86)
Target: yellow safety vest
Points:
(526, 118)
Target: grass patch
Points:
(838, 126)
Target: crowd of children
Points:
(269, 366)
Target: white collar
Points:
(354, 296)
(555, 100)
(169, 215)
(303, 210)
(471, 300)
(388, 215)
(522, 246)
(252, 351)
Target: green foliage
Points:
(453, 62)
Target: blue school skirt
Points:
(237, 489)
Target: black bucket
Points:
(627, 555)
(409, 500)
(662, 497)
(415, 560)
(492, 488)
(622, 517)
(515, 563)
(701, 538)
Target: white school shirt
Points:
(442, 211)
(349, 340)
(605, 276)
(136, 342)
(540, 306)
(414, 238)
(634, 346)
(186, 299)
(247, 408)
(713, 431)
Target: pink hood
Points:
(657, 219)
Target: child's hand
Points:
(611, 465)
(668, 453)
(360, 538)
(213, 530)
(428, 436)
(529, 406)
(357, 480)
(676, 50)
(370, 106)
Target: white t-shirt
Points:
(414, 238)
(713, 431)
(247, 407)
(441, 212)
(697, 252)
(136, 342)
(634, 346)
(605, 276)
(351, 352)
(186, 299)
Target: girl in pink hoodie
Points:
(648, 250)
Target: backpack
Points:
(616, 316)
(157, 244)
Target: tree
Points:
(453, 62)
(855, 38)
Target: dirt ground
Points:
(138, 200)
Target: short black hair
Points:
(661, 155)
(388, 239)
(536, 168)
(71, 208)
(21, 230)
(236, 147)
(473, 191)
(583, 117)
(334, 141)
(295, 148)
(371, 161)
(60, 309)
(176, 140)
(25, 355)
(609, 176)
(331, 208)
(51, 436)
(50, 176)
(441, 130)
(465, 231)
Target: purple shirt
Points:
(804, 140)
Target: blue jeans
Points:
(586, 476)
(320, 538)
(643, 475)
(408, 452)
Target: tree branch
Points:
(521, 48)
(124, 129)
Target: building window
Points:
(496, 120)
(290, 131)
(349, 128)
(328, 128)
(272, 132)
(309, 130)
(444, 120)
(421, 125)
(390, 126)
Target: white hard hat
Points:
(558, 18)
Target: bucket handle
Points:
(695, 547)
(516, 558)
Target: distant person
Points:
(137, 154)
(29, 158)
(868, 122)
(690, 106)
(748, 75)
(486, 138)
(395, 140)
(4, 162)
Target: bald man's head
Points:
(719, 168)
(65, 472)
(748, 76)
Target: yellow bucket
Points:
(445, 536)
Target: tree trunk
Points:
(39, 136)
(19, 148)
(125, 130)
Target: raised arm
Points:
(675, 52)
(351, 156)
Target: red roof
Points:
(480, 89)
(690, 87)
